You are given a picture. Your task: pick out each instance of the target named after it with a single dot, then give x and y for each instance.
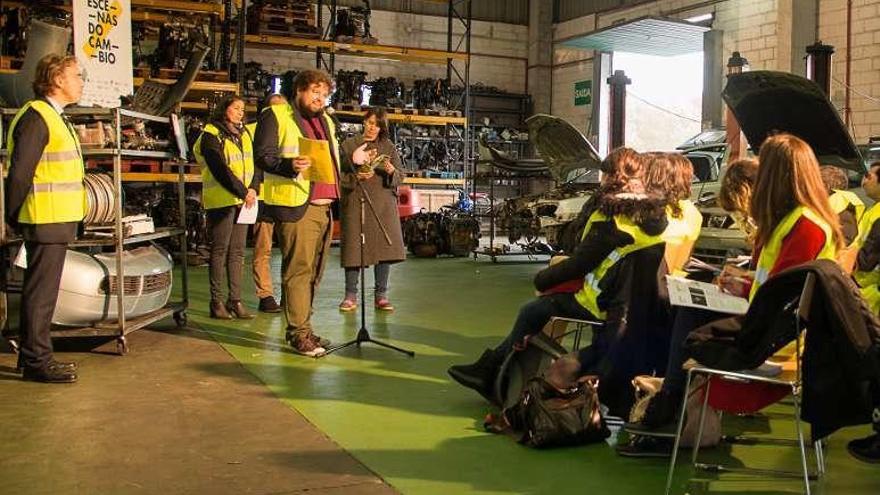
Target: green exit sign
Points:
(583, 93)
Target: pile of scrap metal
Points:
(430, 93)
(349, 87)
(353, 25)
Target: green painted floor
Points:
(405, 420)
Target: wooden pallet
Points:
(188, 168)
(295, 30)
(127, 166)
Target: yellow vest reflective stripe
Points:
(252, 128)
(588, 296)
(284, 191)
(239, 161)
(58, 194)
(869, 280)
(770, 252)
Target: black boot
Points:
(479, 376)
(866, 449)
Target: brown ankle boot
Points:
(238, 310)
(218, 311)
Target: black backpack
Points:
(521, 365)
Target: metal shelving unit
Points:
(121, 326)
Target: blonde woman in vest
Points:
(45, 201)
(671, 175)
(795, 225)
(626, 221)
(225, 152)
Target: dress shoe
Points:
(218, 311)
(50, 374)
(268, 305)
(238, 310)
(69, 367)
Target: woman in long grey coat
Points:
(363, 164)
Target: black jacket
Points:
(842, 344)
(31, 135)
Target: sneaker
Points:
(347, 305)
(383, 304)
(646, 446)
(319, 341)
(268, 305)
(306, 347)
(866, 449)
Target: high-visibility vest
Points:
(58, 194)
(682, 230)
(770, 251)
(252, 128)
(841, 200)
(239, 160)
(284, 191)
(869, 280)
(588, 296)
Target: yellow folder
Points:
(322, 162)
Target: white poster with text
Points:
(102, 45)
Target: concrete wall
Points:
(865, 63)
(499, 51)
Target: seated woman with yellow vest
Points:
(626, 221)
(735, 195)
(225, 152)
(846, 204)
(795, 225)
(671, 175)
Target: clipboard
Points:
(318, 151)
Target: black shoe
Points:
(268, 305)
(50, 374)
(238, 310)
(69, 367)
(866, 449)
(479, 376)
(646, 446)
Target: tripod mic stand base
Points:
(364, 336)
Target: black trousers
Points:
(39, 296)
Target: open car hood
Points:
(765, 102)
(561, 146)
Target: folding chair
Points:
(800, 308)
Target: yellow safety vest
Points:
(770, 252)
(239, 160)
(252, 128)
(869, 280)
(841, 200)
(58, 194)
(682, 230)
(588, 296)
(284, 191)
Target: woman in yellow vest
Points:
(627, 223)
(735, 195)
(671, 175)
(225, 152)
(795, 225)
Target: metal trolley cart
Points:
(119, 326)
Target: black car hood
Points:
(561, 146)
(765, 102)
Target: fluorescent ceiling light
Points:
(700, 18)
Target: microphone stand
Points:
(363, 334)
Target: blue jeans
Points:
(536, 313)
(381, 272)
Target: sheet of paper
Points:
(693, 294)
(21, 258)
(322, 162)
(248, 216)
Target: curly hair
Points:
(306, 78)
(48, 69)
(736, 186)
(623, 172)
(669, 175)
(833, 178)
